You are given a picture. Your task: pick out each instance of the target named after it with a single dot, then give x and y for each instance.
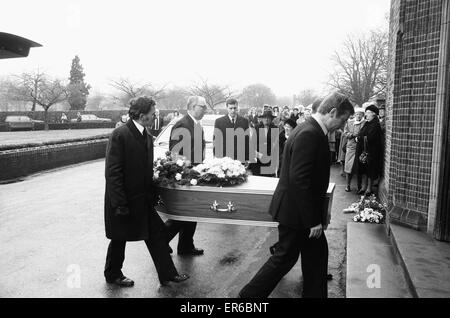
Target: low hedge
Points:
(60, 126)
(21, 162)
(53, 142)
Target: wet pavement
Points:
(53, 244)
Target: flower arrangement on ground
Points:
(176, 170)
(368, 209)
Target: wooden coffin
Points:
(245, 204)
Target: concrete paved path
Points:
(53, 244)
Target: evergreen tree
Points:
(77, 88)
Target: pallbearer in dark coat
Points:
(187, 139)
(298, 204)
(231, 134)
(288, 126)
(130, 197)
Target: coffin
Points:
(245, 204)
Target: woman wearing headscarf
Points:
(369, 140)
(351, 131)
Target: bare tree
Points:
(257, 95)
(129, 89)
(213, 93)
(30, 82)
(306, 97)
(361, 66)
(7, 93)
(174, 98)
(46, 92)
(284, 101)
(94, 102)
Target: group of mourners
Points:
(361, 148)
(362, 134)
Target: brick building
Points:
(416, 183)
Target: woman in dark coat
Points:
(289, 125)
(371, 131)
(264, 165)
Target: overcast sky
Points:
(285, 44)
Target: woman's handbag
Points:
(364, 157)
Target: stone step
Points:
(373, 270)
(425, 261)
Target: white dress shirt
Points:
(197, 122)
(139, 127)
(316, 117)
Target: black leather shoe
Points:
(193, 252)
(170, 250)
(175, 279)
(121, 281)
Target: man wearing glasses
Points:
(187, 139)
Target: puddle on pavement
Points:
(230, 258)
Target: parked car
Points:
(21, 122)
(91, 119)
(161, 142)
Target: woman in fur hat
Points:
(369, 139)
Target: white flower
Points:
(156, 175)
(229, 173)
(221, 175)
(178, 176)
(194, 182)
(180, 162)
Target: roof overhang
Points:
(12, 46)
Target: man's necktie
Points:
(144, 135)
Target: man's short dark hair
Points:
(338, 101)
(140, 105)
(315, 105)
(231, 101)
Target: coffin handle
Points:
(160, 201)
(216, 207)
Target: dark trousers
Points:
(156, 245)
(314, 258)
(186, 232)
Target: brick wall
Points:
(411, 100)
(22, 162)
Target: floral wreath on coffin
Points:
(176, 170)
